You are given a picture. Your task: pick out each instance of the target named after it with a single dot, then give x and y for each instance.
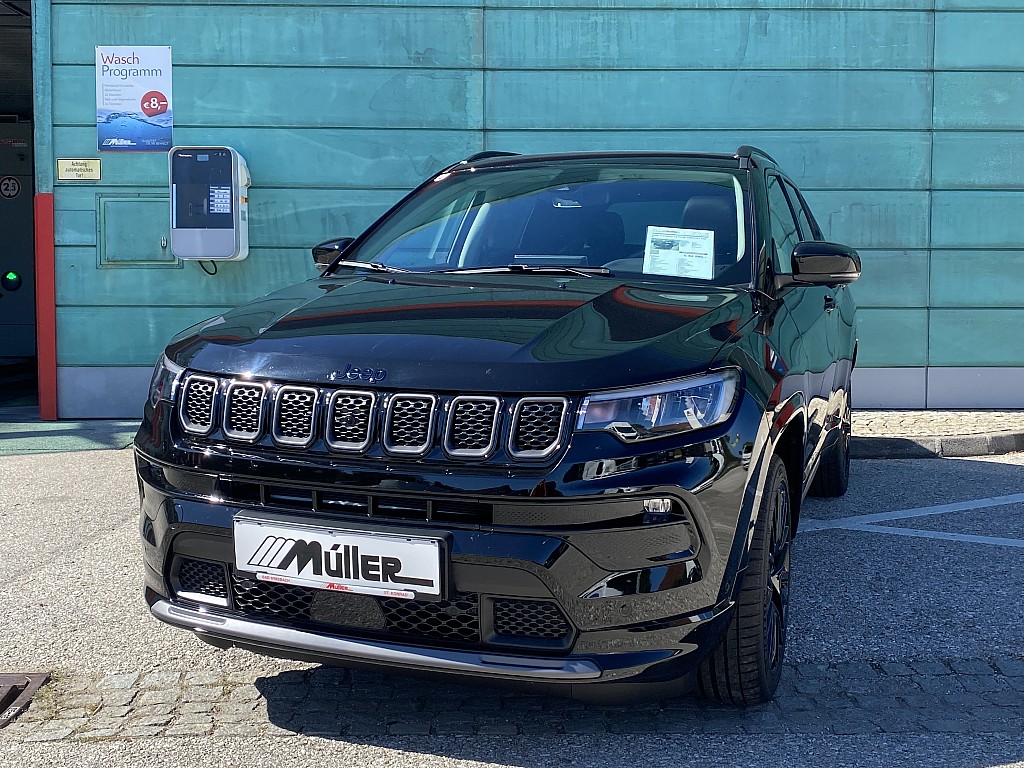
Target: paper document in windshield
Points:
(680, 252)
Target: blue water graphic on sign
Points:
(133, 131)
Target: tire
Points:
(746, 667)
(833, 475)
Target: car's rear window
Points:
(637, 220)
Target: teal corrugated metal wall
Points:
(901, 120)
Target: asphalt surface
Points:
(904, 649)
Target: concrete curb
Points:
(992, 444)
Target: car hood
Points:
(503, 333)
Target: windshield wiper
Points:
(530, 269)
(371, 265)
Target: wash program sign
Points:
(133, 98)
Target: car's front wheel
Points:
(746, 667)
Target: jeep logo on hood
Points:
(354, 373)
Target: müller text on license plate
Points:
(338, 560)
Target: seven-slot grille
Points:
(243, 415)
(295, 415)
(538, 425)
(405, 424)
(472, 426)
(199, 395)
(410, 424)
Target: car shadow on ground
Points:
(358, 705)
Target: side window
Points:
(808, 231)
(784, 227)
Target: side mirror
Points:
(329, 250)
(819, 263)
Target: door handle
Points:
(830, 303)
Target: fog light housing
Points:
(657, 506)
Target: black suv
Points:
(548, 421)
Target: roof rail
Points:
(487, 154)
(748, 151)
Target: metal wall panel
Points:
(901, 119)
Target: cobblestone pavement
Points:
(868, 423)
(976, 696)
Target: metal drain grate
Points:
(16, 691)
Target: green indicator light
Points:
(10, 281)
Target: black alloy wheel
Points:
(746, 667)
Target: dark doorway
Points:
(18, 380)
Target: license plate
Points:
(336, 559)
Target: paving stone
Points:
(97, 733)
(159, 696)
(141, 731)
(203, 677)
(409, 728)
(106, 722)
(498, 729)
(896, 669)
(971, 667)
(71, 714)
(948, 725)
(119, 698)
(203, 693)
(981, 684)
(153, 710)
(153, 720)
(584, 726)
(192, 719)
(1004, 698)
(161, 678)
(940, 684)
(197, 707)
(852, 670)
(88, 701)
(931, 668)
(245, 693)
(117, 682)
(965, 701)
(49, 734)
(1010, 667)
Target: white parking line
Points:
(864, 522)
(948, 536)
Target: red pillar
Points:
(46, 307)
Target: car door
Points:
(807, 306)
(839, 321)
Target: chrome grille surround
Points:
(198, 403)
(243, 410)
(350, 419)
(409, 423)
(471, 431)
(538, 427)
(295, 415)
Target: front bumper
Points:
(644, 600)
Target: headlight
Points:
(672, 408)
(165, 381)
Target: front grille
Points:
(472, 426)
(403, 424)
(350, 420)
(243, 414)
(410, 424)
(538, 427)
(198, 397)
(202, 577)
(456, 620)
(294, 417)
(540, 619)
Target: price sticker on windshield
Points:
(680, 252)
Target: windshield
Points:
(639, 221)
